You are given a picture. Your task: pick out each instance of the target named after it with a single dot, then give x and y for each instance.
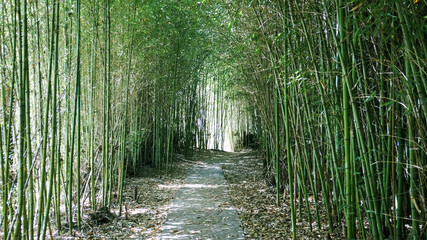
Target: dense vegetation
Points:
(333, 93)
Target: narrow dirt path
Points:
(194, 201)
(202, 208)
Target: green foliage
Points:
(327, 91)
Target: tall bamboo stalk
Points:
(52, 165)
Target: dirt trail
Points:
(202, 208)
(195, 201)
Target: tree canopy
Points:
(332, 93)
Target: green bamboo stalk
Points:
(412, 73)
(107, 166)
(30, 202)
(317, 159)
(75, 128)
(7, 127)
(415, 76)
(350, 201)
(124, 132)
(55, 29)
(277, 147)
(23, 60)
(288, 149)
(367, 166)
(57, 173)
(3, 123)
(318, 165)
(93, 66)
(77, 113)
(42, 199)
(39, 70)
(413, 176)
(370, 131)
(68, 28)
(399, 227)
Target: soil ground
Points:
(202, 208)
(149, 198)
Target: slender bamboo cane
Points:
(47, 210)
(124, 133)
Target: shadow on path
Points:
(202, 208)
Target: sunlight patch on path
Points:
(202, 208)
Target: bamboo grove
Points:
(332, 93)
(91, 92)
(339, 91)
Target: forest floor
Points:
(255, 200)
(202, 208)
(148, 199)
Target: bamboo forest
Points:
(213, 119)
